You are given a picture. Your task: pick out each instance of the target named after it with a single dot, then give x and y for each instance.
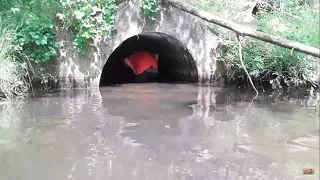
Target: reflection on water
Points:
(159, 131)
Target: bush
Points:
(150, 8)
(89, 19)
(36, 40)
(266, 63)
(270, 64)
(35, 33)
(295, 21)
(14, 80)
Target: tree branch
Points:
(244, 31)
(244, 67)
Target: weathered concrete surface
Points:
(84, 70)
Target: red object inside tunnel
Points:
(172, 62)
(141, 61)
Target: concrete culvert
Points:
(175, 64)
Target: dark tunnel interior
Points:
(175, 64)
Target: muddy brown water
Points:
(160, 131)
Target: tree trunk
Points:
(244, 31)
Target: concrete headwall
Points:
(76, 70)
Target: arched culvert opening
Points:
(175, 65)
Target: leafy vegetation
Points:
(89, 19)
(35, 30)
(35, 36)
(28, 31)
(266, 63)
(37, 40)
(14, 79)
(296, 22)
(150, 7)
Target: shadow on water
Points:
(160, 131)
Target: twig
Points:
(242, 63)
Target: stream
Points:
(160, 131)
